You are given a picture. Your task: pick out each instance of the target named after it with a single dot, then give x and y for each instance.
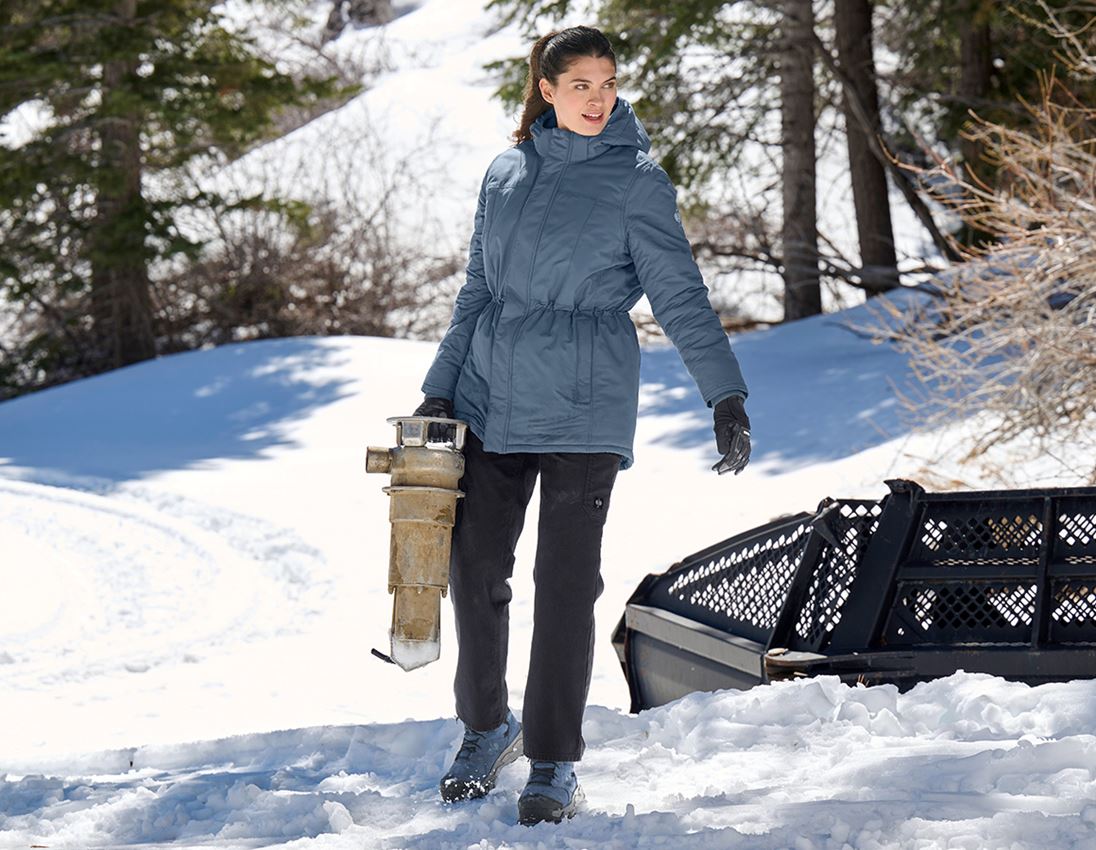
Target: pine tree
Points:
(125, 90)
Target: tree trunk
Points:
(802, 294)
(879, 264)
(975, 70)
(121, 304)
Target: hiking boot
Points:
(551, 794)
(480, 758)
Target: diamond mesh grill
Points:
(1073, 612)
(743, 587)
(853, 525)
(1075, 542)
(970, 575)
(944, 612)
(988, 532)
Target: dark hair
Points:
(551, 56)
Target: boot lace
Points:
(473, 740)
(542, 773)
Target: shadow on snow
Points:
(818, 392)
(234, 401)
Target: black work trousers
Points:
(574, 499)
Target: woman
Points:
(574, 224)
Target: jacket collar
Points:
(622, 129)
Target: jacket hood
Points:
(622, 129)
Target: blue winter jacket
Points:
(570, 231)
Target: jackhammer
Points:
(426, 464)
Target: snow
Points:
(428, 118)
(412, 654)
(969, 761)
(194, 567)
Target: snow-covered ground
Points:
(965, 762)
(194, 572)
(193, 566)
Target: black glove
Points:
(434, 406)
(732, 435)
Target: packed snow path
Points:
(122, 584)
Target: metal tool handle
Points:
(418, 430)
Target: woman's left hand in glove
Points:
(732, 435)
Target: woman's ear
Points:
(545, 89)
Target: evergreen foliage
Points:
(926, 40)
(702, 122)
(125, 92)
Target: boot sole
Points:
(536, 808)
(459, 791)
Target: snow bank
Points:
(969, 761)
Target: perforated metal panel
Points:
(1073, 606)
(950, 612)
(740, 588)
(852, 525)
(954, 534)
(1075, 541)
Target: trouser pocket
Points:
(601, 473)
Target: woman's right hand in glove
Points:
(434, 406)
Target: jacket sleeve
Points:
(673, 284)
(441, 379)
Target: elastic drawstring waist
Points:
(592, 310)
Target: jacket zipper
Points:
(529, 291)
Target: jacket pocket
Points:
(584, 360)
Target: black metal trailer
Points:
(905, 589)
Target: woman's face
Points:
(585, 95)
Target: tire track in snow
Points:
(130, 578)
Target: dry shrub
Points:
(351, 246)
(1010, 335)
(269, 279)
